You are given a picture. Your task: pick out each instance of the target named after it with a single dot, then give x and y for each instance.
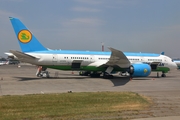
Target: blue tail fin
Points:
(26, 39)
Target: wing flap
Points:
(98, 63)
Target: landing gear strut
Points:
(157, 74)
(107, 73)
(131, 72)
(41, 72)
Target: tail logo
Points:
(24, 36)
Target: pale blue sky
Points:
(127, 25)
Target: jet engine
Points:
(139, 70)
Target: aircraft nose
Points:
(174, 65)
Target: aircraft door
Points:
(92, 58)
(54, 59)
(142, 59)
(165, 61)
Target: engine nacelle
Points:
(140, 70)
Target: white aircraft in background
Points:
(177, 63)
(93, 63)
(4, 63)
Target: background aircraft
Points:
(93, 63)
(177, 63)
(4, 63)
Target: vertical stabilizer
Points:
(26, 39)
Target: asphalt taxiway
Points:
(165, 92)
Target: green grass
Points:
(70, 105)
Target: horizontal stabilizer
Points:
(22, 56)
(9, 54)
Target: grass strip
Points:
(66, 106)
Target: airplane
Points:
(92, 63)
(4, 63)
(177, 61)
(1, 63)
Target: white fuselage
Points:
(94, 60)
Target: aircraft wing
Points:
(98, 64)
(23, 56)
(118, 58)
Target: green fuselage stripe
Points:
(94, 68)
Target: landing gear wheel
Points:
(163, 75)
(44, 74)
(95, 75)
(84, 73)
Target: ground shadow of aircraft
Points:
(119, 81)
(50, 78)
(116, 80)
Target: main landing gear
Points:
(162, 75)
(91, 74)
(95, 74)
(84, 73)
(107, 76)
(41, 72)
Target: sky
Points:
(149, 26)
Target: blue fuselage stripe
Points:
(94, 53)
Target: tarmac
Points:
(165, 92)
